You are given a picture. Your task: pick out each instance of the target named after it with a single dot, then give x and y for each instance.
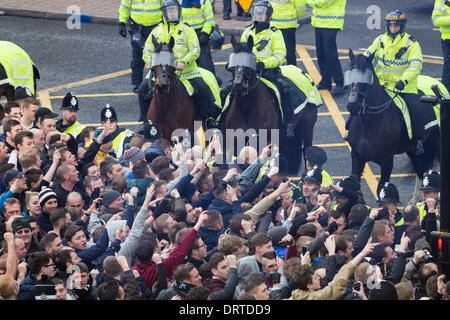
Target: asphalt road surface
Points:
(94, 63)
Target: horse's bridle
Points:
(162, 71)
(353, 94)
(248, 77)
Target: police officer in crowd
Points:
(141, 16)
(120, 136)
(69, 110)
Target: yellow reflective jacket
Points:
(441, 18)
(286, 13)
(327, 13)
(75, 129)
(186, 49)
(143, 12)
(18, 66)
(199, 18)
(389, 68)
(273, 54)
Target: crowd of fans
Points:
(80, 222)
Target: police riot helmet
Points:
(262, 11)
(396, 17)
(171, 11)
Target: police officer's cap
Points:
(70, 102)
(313, 175)
(23, 93)
(108, 113)
(388, 193)
(151, 131)
(315, 155)
(348, 183)
(431, 182)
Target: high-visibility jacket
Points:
(422, 213)
(389, 68)
(186, 48)
(118, 142)
(286, 13)
(273, 54)
(328, 13)
(202, 18)
(75, 129)
(143, 12)
(441, 18)
(18, 66)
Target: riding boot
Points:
(418, 148)
(204, 99)
(414, 107)
(288, 112)
(145, 95)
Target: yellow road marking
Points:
(330, 145)
(90, 80)
(45, 99)
(99, 95)
(334, 111)
(329, 114)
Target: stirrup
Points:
(211, 123)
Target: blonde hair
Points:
(28, 157)
(10, 221)
(7, 287)
(28, 197)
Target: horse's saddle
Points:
(429, 119)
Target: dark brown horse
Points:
(7, 89)
(252, 107)
(171, 107)
(377, 130)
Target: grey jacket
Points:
(128, 247)
(245, 266)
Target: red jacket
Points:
(147, 269)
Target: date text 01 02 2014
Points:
(238, 309)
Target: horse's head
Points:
(162, 64)
(358, 80)
(242, 65)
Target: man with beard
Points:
(69, 110)
(60, 220)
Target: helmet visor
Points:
(259, 14)
(355, 76)
(172, 14)
(242, 59)
(163, 58)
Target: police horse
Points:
(251, 105)
(171, 107)
(377, 130)
(16, 68)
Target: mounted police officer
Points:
(199, 15)
(286, 13)
(328, 19)
(270, 52)
(441, 19)
(186, 52)
(398, 63)
(69, 110)
(142, 16)
(120, 136)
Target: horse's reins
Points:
(380, 108)
(250, 88)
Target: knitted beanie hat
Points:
(132, 154)
(109, 195)
(46, 194)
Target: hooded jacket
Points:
(142, 184)
(226, 209)
(210, 237)
(27, 288)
